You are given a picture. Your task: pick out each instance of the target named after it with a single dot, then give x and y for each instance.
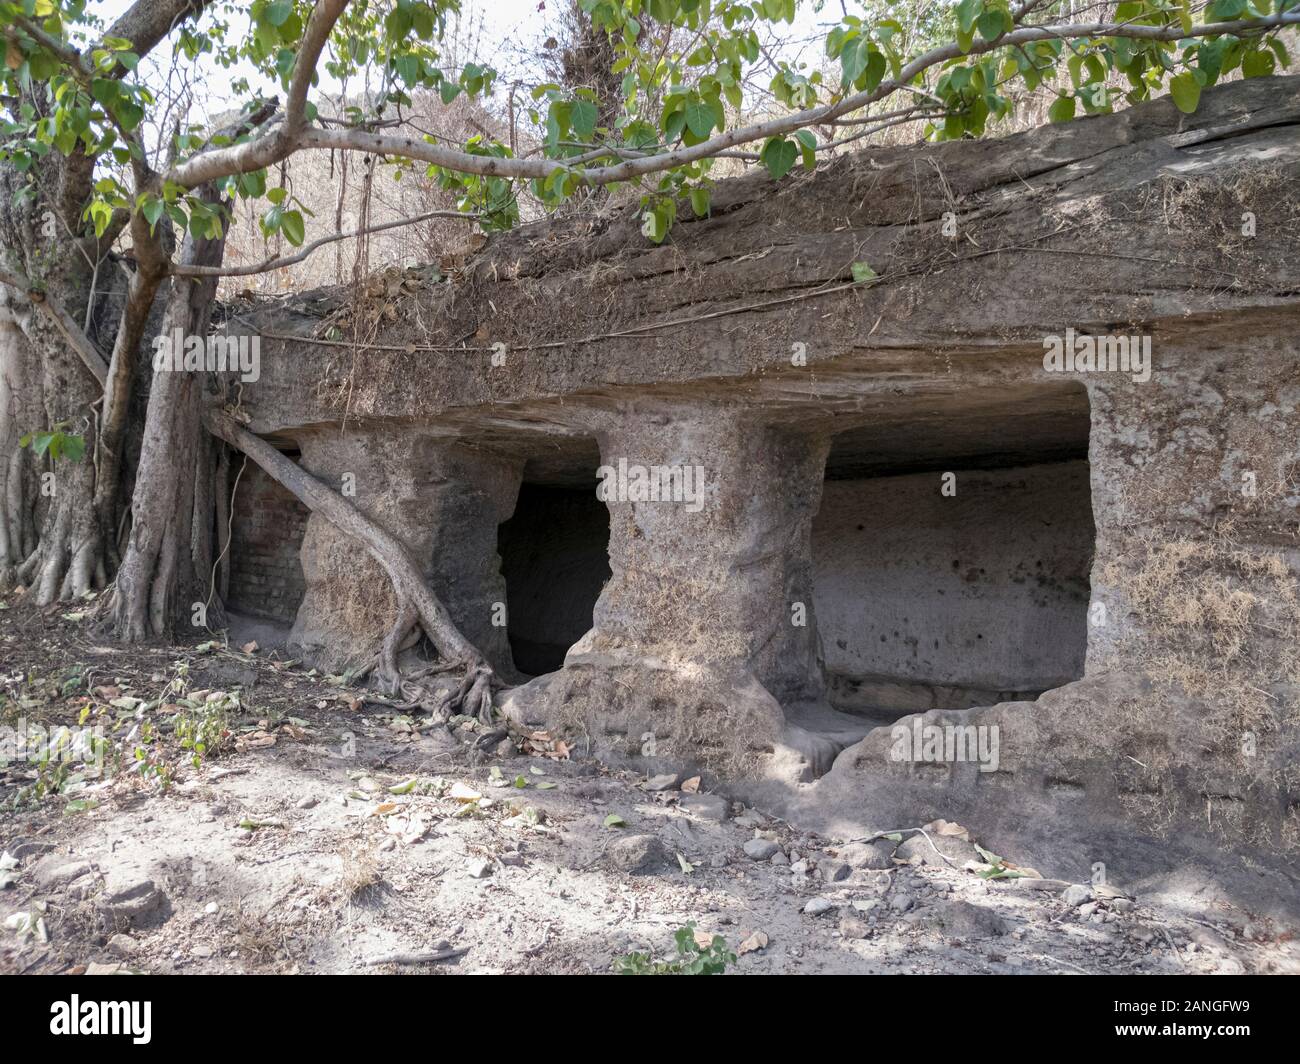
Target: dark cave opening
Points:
(555, 560)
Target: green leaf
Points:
(152, 211)
(278, 13)
(1186, 91)
(615, 821)
(74, 447)
(1062, 109)
(807, 148)
(968, 13)
(699, 118)
(862, 272)
(293, 227)
(1257, 64)
(992, 24)
(778, 155)
(583, 118)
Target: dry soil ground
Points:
(332, 834)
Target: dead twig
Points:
(430, 957)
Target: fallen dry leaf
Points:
(691, 786)
(254, 740)
(460, 793)
(752, 944)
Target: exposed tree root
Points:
(68, 560)
(417, 604)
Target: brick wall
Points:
(266, 574)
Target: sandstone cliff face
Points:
(1144, 577)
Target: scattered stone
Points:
(1076, 894)
(505, 749)
(901, 902)
(760, 849)
(1208, 940)
(852, 928)
(25, 849)
(307, 803)
(876, 855)
(961, 919)
(211, 908)
(202, 951)
(1088, 909)
(708, 807)
(1050, 886)
(665, 782)
(918, 849)
(58, 872)
(800, 867)
(817, 906)
(478, 868)
(138, 904)
(94, 968)
(122, 945)
(639, 854)
(834, 871)
(1123, 905)
(780, 859)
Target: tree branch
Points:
(64, 322)
(271, 148)
(289, 260)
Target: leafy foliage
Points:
(685, 69)
(57, 443)
(691, 959)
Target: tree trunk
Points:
(18, 483)
(49, 383)
(166, 569)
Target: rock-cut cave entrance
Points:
(555, 559)
(952, 551)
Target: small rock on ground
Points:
(639, 854)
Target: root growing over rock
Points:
(418, 608)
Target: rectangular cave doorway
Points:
(555, 560)
(929, 598)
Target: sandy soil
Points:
(288, 851)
